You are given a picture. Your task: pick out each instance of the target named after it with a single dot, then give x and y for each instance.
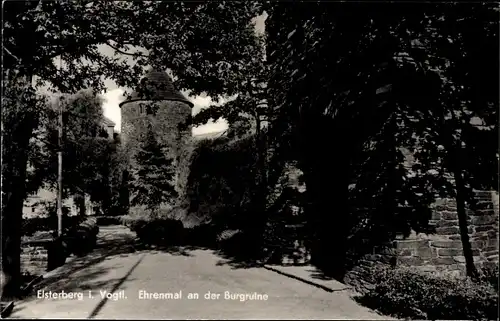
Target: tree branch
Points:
(126, 53)
(11, 54)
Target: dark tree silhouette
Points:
(152, 179)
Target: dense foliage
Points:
(151, 183)
(398, 79)
(89, 155)
(222, 181)
(405, 293)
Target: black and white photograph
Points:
(264, 160)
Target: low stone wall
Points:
(441, 252)
(34, 256)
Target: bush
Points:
(159, 231)
(238, 244)
(221, 183)
(82, 238)
(161, 228)
(407, 293)
(489, 274)
(201, 235)
(39, 224)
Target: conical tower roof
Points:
(156, 85)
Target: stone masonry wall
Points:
(441, 252)
(165, 124)
(34, 257)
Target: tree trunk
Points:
(455, 157)
(462, 222)
(14, 186)
(15, 144)
(327, 182)
(259, 206)
(11, 243)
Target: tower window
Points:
(141, 109)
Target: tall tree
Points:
(21, 108)
(86, 151)
(248, 112)
(152, 180)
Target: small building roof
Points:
(156, 85)
(210, 135)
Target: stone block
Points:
(476, 244)
(447, 244)
(455, 237)
(480, 237)
(492, 243)
(447, 223)
(492, 233)
(410, 244)
(426, 252)
(447, 215)
(486, 212)
(428, 268)
(447, 230)
(445, 208)
(439, 202)
(493, 258)
(490, 264)
(484, 228)
(490, 253)
(461, 259)
(449, 252)
(405, 252)
(484, 205)
(443, 261)
(461, 268)
(483, 195)
(410, 261)
(491, 249)
(436, 216)
(483, 220)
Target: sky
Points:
(114, 96)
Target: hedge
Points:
(407, 293)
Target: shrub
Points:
(407, 293)
(161, 228)
(489, 274)
(221, 183)
(201, 235)
(38, 224)
(237, 244)
(159, 231)
(82, 238)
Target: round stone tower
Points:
(156, 105)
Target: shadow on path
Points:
(89, 272)
(116, 287)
